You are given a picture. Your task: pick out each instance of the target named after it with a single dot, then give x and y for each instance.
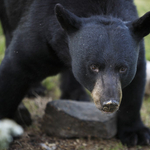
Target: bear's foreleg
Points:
(71, 88)
(131, 130)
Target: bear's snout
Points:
(110, 106)
(107, 93)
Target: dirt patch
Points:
(35, 139)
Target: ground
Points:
(33, 137)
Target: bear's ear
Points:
(69, 22)
(141, 27)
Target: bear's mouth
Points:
(107, 109)
(110, 109)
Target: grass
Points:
(2, 44)
(143, 6)
(52, 82)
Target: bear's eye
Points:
(123, 70)
(94, 68)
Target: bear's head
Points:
(104, 53)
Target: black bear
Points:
(97, 44)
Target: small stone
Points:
(84, 144)
(68, 119)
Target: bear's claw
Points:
(139, 137)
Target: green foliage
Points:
(53, 81)
(1, 31)
(118, 146)
(2, 44)
(145, 111)
(81, 148)
(52, 84)
(143, 6)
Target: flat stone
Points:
(68, 119)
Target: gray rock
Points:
(68, 119)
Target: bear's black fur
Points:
(96, 42)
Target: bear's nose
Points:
(110, 106)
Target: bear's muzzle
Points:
(107, 93)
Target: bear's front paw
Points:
(132, 138)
